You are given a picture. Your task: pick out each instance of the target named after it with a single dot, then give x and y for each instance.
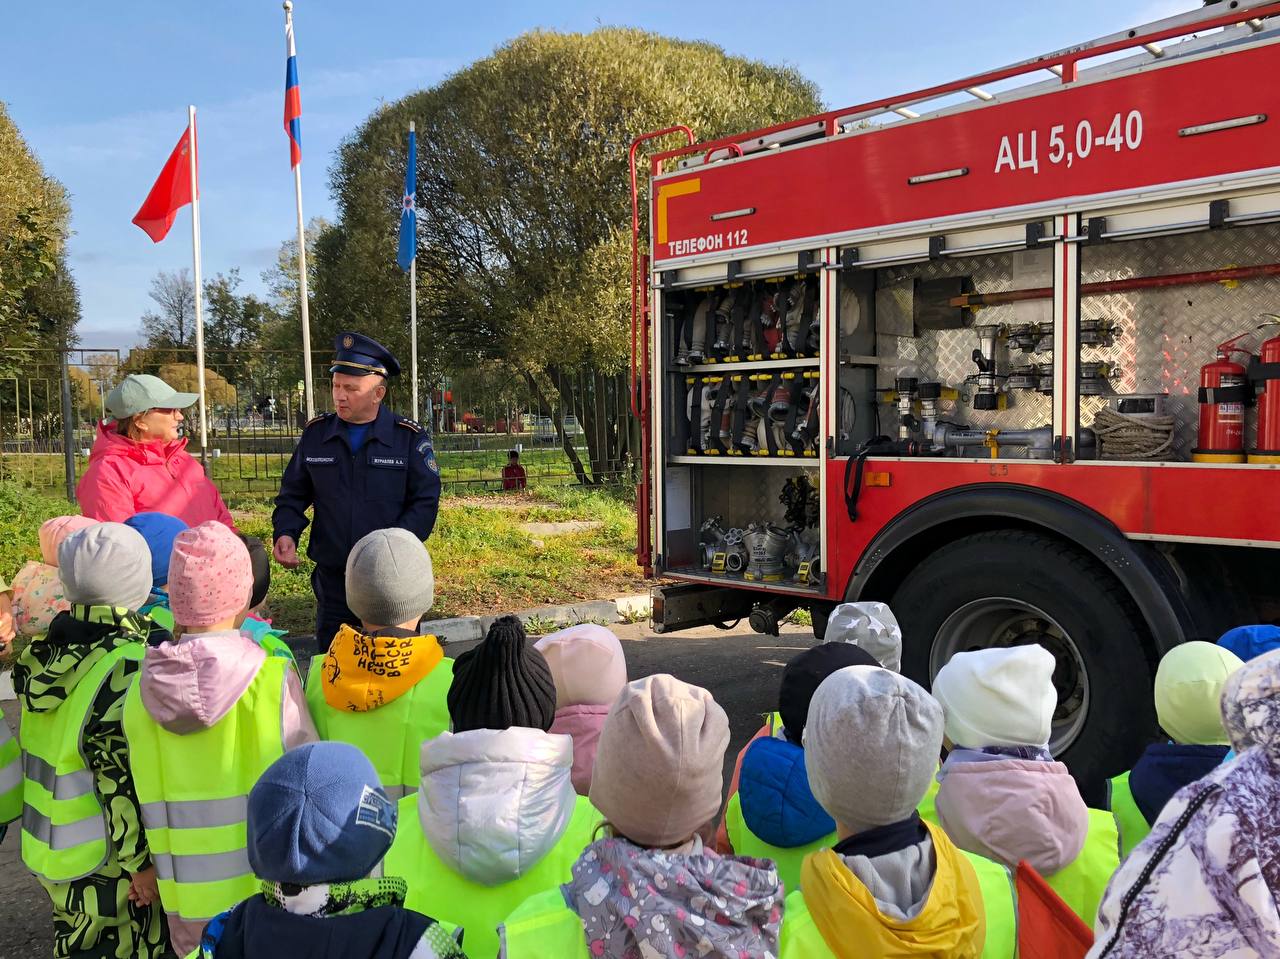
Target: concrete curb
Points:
(462, 629)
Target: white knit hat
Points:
(998, 697)
(870, 626)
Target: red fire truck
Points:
(1000, 353)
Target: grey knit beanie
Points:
(389, 578)
(107, 564)
(501, 683)
(871, 746)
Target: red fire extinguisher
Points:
(1267, 375)
(1223, 391)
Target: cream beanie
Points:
(659, 765)
(1188, 692)
(998, 697)
(587, 664)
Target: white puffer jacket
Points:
(493, 803)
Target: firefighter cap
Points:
(360, 355)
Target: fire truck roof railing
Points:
(1233, 22)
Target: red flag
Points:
(172, 191)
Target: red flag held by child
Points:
(172, 191)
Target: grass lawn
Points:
(484, 562)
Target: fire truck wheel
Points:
(1013, 587)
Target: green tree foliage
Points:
(185, 378)
(233, 326)
(39, 305)
(524, 210)
(281, 335)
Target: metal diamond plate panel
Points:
(721, 492)
(1164, 336)
(946, 355)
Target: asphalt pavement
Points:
(739, 667)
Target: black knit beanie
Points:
(805, 673)
(503, 682)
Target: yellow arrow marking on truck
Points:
(665, 192)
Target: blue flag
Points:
(408, 214)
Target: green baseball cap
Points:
(139, 392)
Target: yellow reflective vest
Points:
(194, 794)
(789, 859)
(543, 926)
(64, 827)
(1081, 884)
(10, 776)
(437, 890)
(1131, 824)
(391, 735)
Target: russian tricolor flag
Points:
(292, 97)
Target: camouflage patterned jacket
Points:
(44, 676)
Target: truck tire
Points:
(1011, 587)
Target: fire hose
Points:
(1122, 437)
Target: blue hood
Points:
(1165, 768)
(773, 788)
(1249, 642)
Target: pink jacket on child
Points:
(125, 477)
(589, 670)
(189, 685)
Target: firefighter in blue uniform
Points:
(363, 468)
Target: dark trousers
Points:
(330, 587)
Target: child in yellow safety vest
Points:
(893, 884)
(318, 824)
(590, 670)
(774, 815)
(1001, 794)
(1188, 692)
(82, 831)
(37, 590)
(650, 887)
(870, 626)
(497, 818)
(210, 712)
(383, 687)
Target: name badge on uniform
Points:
(321, 459)
(388, 462)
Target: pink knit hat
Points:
(210, 575)
(54, 531)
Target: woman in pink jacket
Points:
(139, 464)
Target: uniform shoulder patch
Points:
(428, 455)
(408, 424)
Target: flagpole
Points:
(199, 287)
(308, 396)
(413, 316)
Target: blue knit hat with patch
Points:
(318, 815)
(159, 530)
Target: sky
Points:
(100, 92)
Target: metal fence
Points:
(568, 429)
